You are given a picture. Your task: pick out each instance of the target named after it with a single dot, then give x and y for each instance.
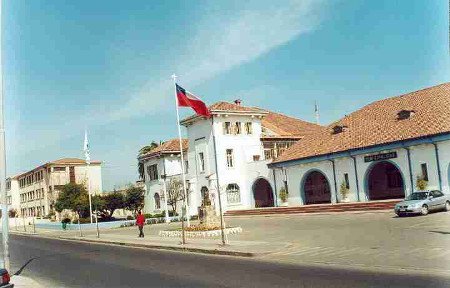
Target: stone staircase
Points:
(318, 208)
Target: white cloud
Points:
(220, 42)
(223, 42)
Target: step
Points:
(318, 208)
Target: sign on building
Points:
(382, 156)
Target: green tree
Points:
(73, 197)
(107, 203)
(142, 151)
(134, 198)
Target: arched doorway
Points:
(263, 193)
(316, 188)
(385, 181)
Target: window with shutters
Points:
(424, 171)
(248, 128)
(230, 160)
(227, 128)
(72, 174)
(233, 194)
(201, 162)
(237, 128)
(152, 171)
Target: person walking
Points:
(140, 221)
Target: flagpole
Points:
(88, 165)
(222, 220)
(186, 206)
(5, 216)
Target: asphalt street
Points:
(56, 263)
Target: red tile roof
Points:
(65, 161)
(289, 127)
(168, 147)
(62, 161)
(378, 123)
(232, 107)
(282, 125)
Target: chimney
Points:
(238, 102)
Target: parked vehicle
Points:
(5, 279)
(422, 202)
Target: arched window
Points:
(233, 194)
(157, 201)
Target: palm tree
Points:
(142, 151)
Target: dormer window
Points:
(405, 114)
(339, 129)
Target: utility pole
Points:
(5, 216)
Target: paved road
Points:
(57, 263)
(371, 240)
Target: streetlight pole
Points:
(5, 216)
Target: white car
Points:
(422, 202)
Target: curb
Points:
(310, 214)
(163, 247)
(22, 233)
(150, 246)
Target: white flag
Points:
(86, 148)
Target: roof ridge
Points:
(377, 124)
(403, 95)
(292, 117)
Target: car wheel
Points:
(447, 206)
(424, 210)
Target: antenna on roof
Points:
(316, 111)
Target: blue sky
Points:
(106, 66)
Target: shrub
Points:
(421, 183)
(12, 213)
(148, 215)
(129, 217)
(344, 190)
(65, 220)
(283, 194)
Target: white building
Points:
(161, 165)
(12, 194)
(246, 139)
(34, 193)
(377, 152)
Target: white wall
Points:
(444, 159)
(172, 165)
(424, 153)
(244, 172)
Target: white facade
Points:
(12, 194)
(243, 140)
(167, 164)
(240, 160)
(35, 192)
(420, 154)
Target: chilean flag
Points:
(186, 99)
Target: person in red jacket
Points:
(140, 221)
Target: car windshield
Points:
(417, 196)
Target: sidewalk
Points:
(24, 282)
(128, 237)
